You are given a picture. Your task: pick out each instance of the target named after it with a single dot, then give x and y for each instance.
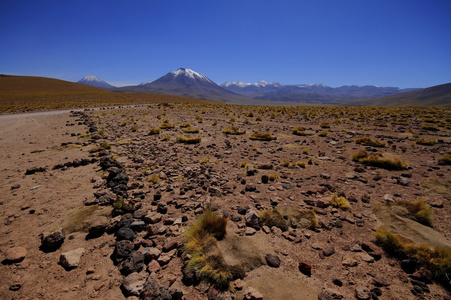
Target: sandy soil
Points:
(212, 172)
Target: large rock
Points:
(272, 260)
(154, 291)
(16, 254)
(71, 259)
(53, 240)
(123, 250)
(252, 294)
(133, 284)
(252, 218)
(134, 263)
(125, 234)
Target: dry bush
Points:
(436, 259)
(153, 131)
(436, 186)
(429, 127)
(323, 133)
(166, 125)
(339, 202)
(235, 130)
(154, 178)
(419, 210)
(324, 125)
(191, 130)
(201, 243)
(377, 160)
(446, 160)
(185, 140)
(366, 141)
(424, 142)
(262, 136)
(273, 217)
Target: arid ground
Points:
(100, 171)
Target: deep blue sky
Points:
(336, 42)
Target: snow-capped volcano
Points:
(188, 83)
(95, 81)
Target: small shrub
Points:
(101, 132)
(134, 128)
(273, 176)
(154, 131)
(446, 160)
(166, 138)
(191, 130)
(243, 164)
(379, 161)
(366, 141)
(429, 127)
(300, 163)
(258, 119)
(419, 210)
(273, 217)
(305, 151)
(324, 125)
(204, 161)
(231, 120)
(215, 122)
(436, 259)
(235, 130)
(286, 163)
(105, 146)
(339, 202)
(185, 125)
(357, 156)
(185, 140)
(154, 178)
(166, 125)
(323, 133)
(262, 136)
(424, 142)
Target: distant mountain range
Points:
(188, 83)
(95, 81)
(309, 93)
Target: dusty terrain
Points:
(225, 172)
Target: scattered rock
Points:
(305, 268)
(252, 294)
(53, 240)
(71, 259)
(133, 284)
(362, 293)
(328, 251)
(16, 254)
(329, 294)
(134, 263)
(272, 260)
(252, 218)
(125, 234)
(423, 275)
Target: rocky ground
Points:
(95, 206)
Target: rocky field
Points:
(316, 203)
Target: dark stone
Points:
(125, 234)
(272, 260)
(162, 208)
(408, 266)
(305, 268)
(107, 162)
(250, 173)
(190, 277)
(15, 186)
(242, 210)
(265, 179)
(52, 241)
(134, 263)
(122, 250)
(35, 170)
(154, 291)
(157, 197)
(337, 282)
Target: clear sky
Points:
(336, 42)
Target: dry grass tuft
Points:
(201, 244)
(154, 131)
(273, 217)
(377, 160)
(339, 202)
(262, 136)
(418, 210)
(185, 140)
(446, 160)
(366, 141)
(436, 259)
(235, 130)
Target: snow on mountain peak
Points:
(91, 78)
(189, 73)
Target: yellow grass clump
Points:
(262, 136)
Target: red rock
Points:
(423, 275)
(16, 254)
(305, 268)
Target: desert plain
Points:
(310, 207)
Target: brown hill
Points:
(25, 93)
(439, 95)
